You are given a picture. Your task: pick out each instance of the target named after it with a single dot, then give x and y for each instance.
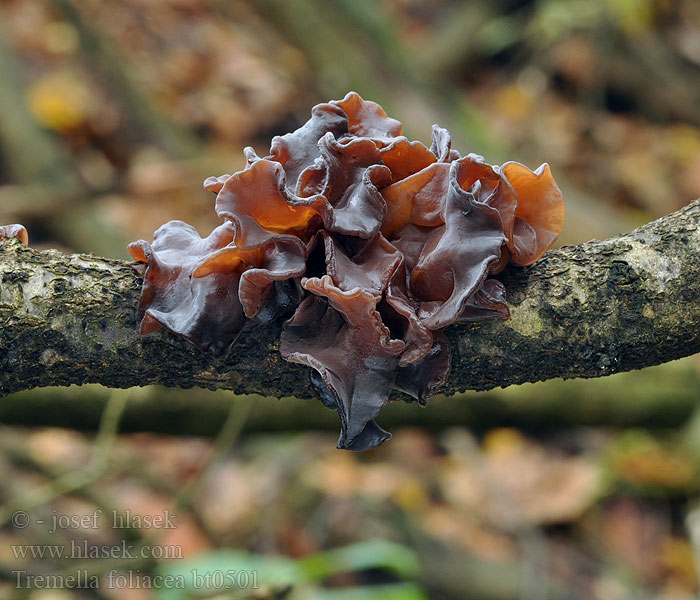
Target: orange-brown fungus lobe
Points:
(15, 230)
(368, 243)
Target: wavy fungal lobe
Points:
(367, 243)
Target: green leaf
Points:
(401, 591)
(214, 571)
(374, 554)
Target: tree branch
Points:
(582, 311)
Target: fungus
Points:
(15, 230)
(367, 243)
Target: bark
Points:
(657, 398)
(582, 311)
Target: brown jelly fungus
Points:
(16, 231)
(371, 242)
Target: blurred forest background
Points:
(112, 113)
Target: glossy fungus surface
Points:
(15, 230)
(367, 243)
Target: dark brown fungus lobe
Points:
(418, 199)
(206, 310)
(456, 256)
(215, 184)
(368, 119)
(369, 270)
(341, 335)
(299, 150)
(354, 174)
(441, 145)
(489, 187)
(15, 230)
(276, 260)
(374, 242)
(539, 215)
(416, 336)
(404, 158)
(419, 379)
(258, 197)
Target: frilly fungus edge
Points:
(367, 243)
